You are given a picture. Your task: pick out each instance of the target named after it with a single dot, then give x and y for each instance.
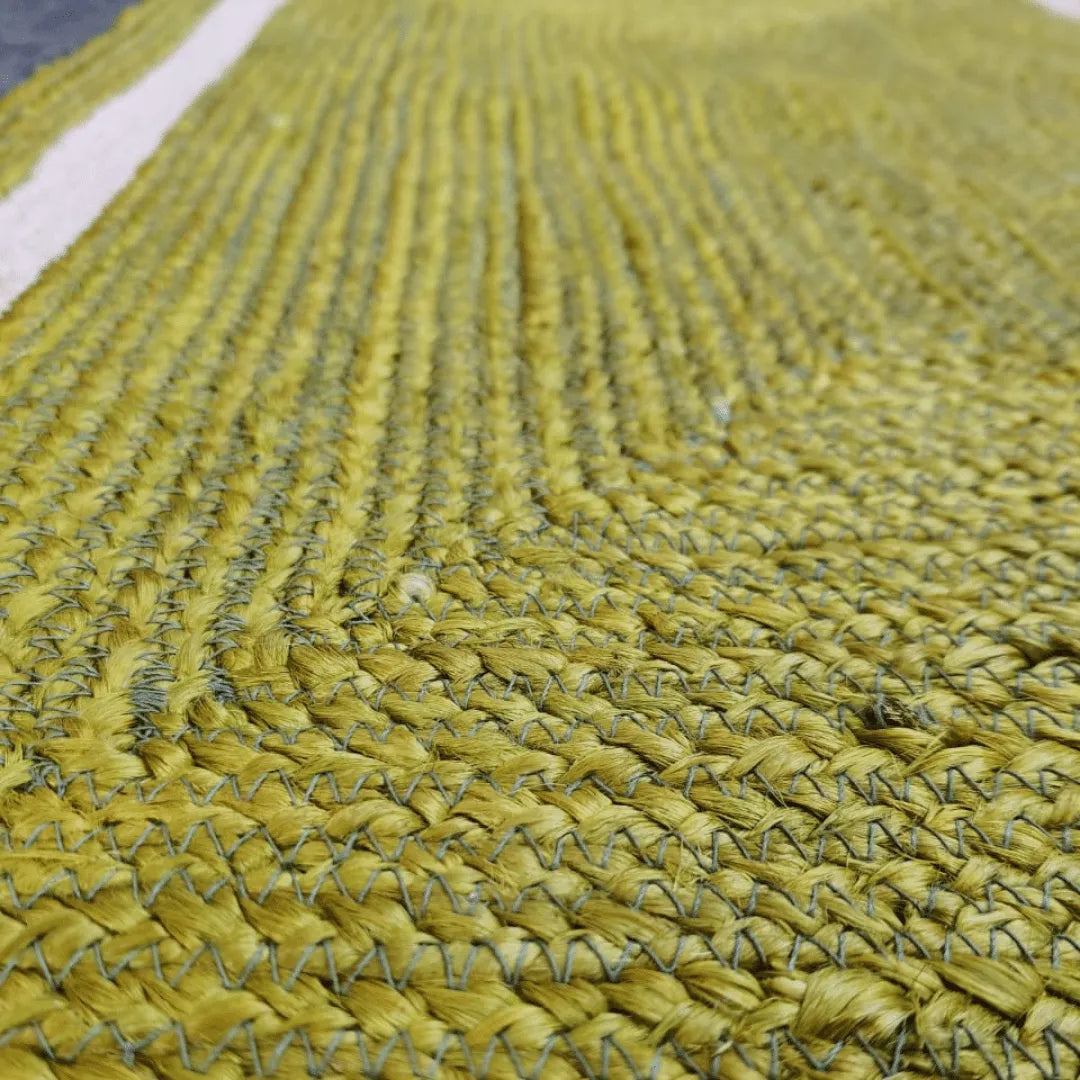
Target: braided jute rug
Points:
(542, 539)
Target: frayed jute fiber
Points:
(541, 539)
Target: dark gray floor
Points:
(33, 32)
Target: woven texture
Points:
(542, 540)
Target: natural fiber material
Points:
(66, 90)
(541, 539)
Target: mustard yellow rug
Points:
(542, 539)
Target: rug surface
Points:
(542, 539)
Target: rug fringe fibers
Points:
(542, 540)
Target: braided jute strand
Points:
(542, 539)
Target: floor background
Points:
(33, 32)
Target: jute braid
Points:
(543, 540)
